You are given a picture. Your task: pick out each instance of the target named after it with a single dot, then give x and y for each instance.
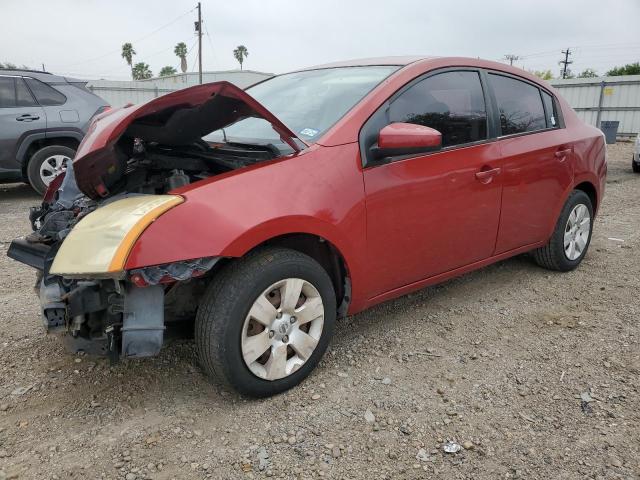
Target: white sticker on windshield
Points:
(309, 132)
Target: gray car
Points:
(43, 118)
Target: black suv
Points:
(43, 118)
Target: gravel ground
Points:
(534, 373)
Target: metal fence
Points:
(605, 98)
(119, 93)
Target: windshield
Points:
(307, 102)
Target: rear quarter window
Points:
(550, 110)
(519, 105)
(45, 94)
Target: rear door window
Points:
(519, 104)
(549, 110)
(45, 94)
(451, 102)
(23, 96)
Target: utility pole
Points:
(566, 62)
(512, 58)
(199, 31)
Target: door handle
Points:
(561, 154)
(485, 176)
(27, 117)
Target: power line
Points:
(511, 58)
(140, 39)
(566, 62)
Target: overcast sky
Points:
(84, 37)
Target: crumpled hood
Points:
(178, 118)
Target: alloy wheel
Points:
(52, 167)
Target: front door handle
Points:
(485, 176)
(561, 154)
(27, 117)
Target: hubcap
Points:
(52, 167)
(282, 329)
(577, 231)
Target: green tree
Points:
(8, 66)
(168, 70)
(628, 69)
(181, 52)
(543, 74)
(127, 53)
(240, 53)
(588, 73)
(141, 71)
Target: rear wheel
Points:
(265, 321)
(46, 164)
(570, 240)
(635, 166)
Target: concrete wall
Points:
(119, 93)
(605, 98)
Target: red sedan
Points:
(265, 214)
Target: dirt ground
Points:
(536, 373)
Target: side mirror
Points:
(399, 139)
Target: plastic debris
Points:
(451, 447)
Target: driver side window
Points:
(451, 102)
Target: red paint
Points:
(399, 226)
(407, 135)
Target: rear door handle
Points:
(561, 154)
(27, 117)
(485, 176)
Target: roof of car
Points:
(362, 62)
(45, 77)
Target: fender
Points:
(28, 140)
(230, 214)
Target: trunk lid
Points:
(178, 118)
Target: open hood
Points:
(176, 119)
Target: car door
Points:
(431, 213)
(19, 114)
(536, 161)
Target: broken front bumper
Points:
(108, 317)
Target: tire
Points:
(553, 255)
(635, 166)
(223, 320)
(54, 152)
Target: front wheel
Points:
(265, 321)
(570, 240)
(635, 165)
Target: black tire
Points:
(552, 256)
(635, 166)
(36, 160)
(226, 304)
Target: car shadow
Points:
(17, 191)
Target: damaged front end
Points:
(84, 291)
(128, 171)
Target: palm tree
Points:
(141, 71)
(168, 70)
(127, 53)
(181, 53)
(240, 53)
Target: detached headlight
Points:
(100, 243)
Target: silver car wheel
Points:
(577, 231)
(52, 167)
(282, 329)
